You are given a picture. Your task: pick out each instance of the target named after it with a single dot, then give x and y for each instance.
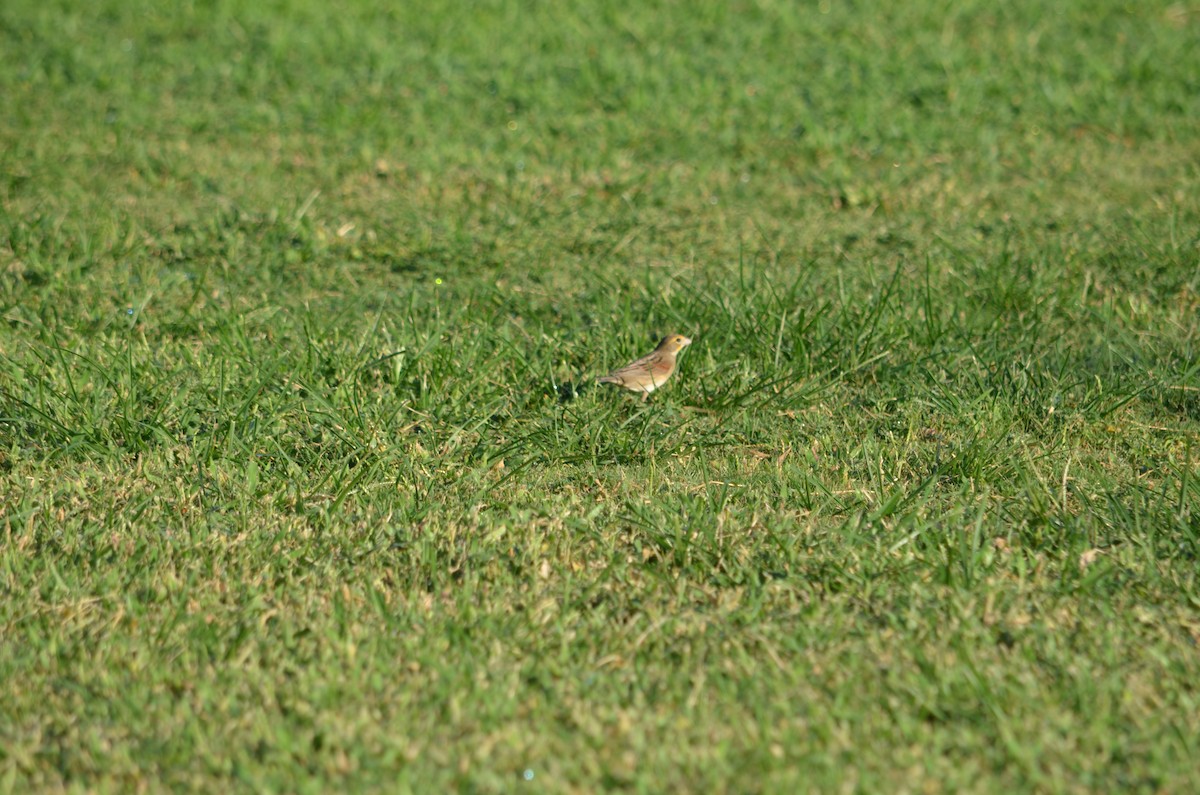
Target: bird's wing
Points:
(643, 365)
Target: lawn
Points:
(306, 484)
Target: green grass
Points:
(304, 485)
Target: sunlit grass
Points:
(305, 482)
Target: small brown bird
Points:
(652, 370)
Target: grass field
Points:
(305, 486)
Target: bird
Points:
(652, 370)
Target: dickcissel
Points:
(652, 370)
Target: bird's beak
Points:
(686, 342)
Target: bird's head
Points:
(673, 343)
